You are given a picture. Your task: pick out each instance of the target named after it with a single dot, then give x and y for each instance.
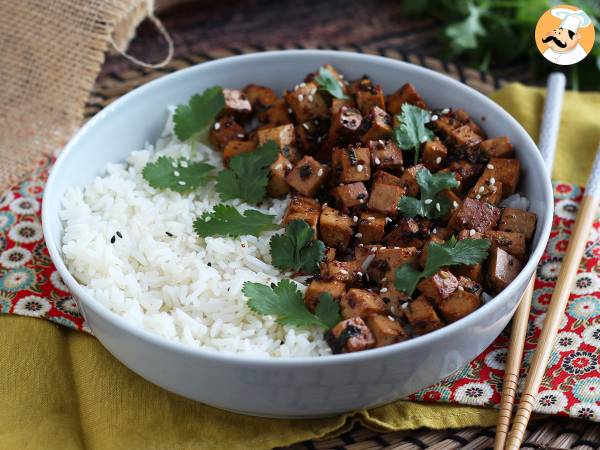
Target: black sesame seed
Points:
(305, 171)
(119, 234)
(113, 239)
(361, 196)
(169, 234)
(209, 264)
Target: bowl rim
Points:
(247, 360)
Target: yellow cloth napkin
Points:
(60, 389)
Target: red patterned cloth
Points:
(31, 286)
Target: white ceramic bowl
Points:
(302, 387)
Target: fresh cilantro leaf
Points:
(451, 253)
(296, 249)
(178, 175)
(192, 119)
(286, 303)
(329, 83)
(225, 220)
(411, 131)
(432, 204)
(248, 174)
(464, 35)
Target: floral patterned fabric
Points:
(31, 286)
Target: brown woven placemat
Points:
(549, 433)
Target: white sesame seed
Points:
(438, 160)
(373, 249)
(360, 168)
(434, 231)
(320, 173)
(492, 181)
(182, 183)
(404, 305)
(434, 117)
(300, 97)
(176, 173)
(324, 204)
(305, 126)
(240, 135)
(183, 164)
(481, 189)
(310, 97)
(461, 288)
(362, 200)
(490, 166)
(380, 142)
(472, 232)
(455, 204)
(360, 274)
(388, 219)
(341, 76)
(344, 271)
(290, 110)
(355, 219)
(313, 92)
(396, 248)
(289, 166)
(384, 279)
(377, 161)
(370, 218)
(382, 247)
(319, 139)
(217, 125)
(445, 111)
(383, 290)
(428, 201)
(174, 164)
(340, 83)
(302, 84)
(477, 197)
(358, 235)
(438, 207)
(278, 167)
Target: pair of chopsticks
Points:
(560, 297)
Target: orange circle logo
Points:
(564, 35)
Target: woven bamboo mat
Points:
(548, 433)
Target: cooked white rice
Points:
(183, 288)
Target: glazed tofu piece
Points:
(306, 102)
(408, 180)
(316, 288)
(387, 260)
(349, 336)
(434, 154)
(393, 298)
(277, 186)
(467, 172)
(344, 126)
(487, 189)
(384, 199)
(422, 317)
(385, 155)
(498, 147)
(260, 97)
(275, 115)
(439, 286)
(348, 272)
(476, 215)
(371, 227)
(360, 303)
(511, 242)
(336, 229)
(368, 95)
(311, 134)
(502, 269)
(383, 177)
(234, 148)
(447, 124)
(351, 164)
(303, 208)
(380, 125)
(506, 171)
(351, 195)
(285, 138)
(458, 305)
(224, 130)
(408, 232)
(463, 117)
(406, 94)
(464, 136)
(474, 272)
(236, 103)
(385, 329)
(337, 103)
(518, 221)
(307, 176)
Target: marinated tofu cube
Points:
(236, 103)
(349, 336)
(311, 134)
(474, 272)
(224, 130)
(380, 125)
(506, 171)
(470, 286)
(425, 250)
(406, 94)
(285, 138)
(330, 253)
(447, 124)
(336, 229)
(408, 232)
(337, 103)
(234, 148)
(383, 177)
(518, 221)
(371, 227)
(316, 288)
(498, 147)
(387, 260)
(344, 126)
(408, 180)
(439, 286)
(307, 176)
(360, 303)
(351, 164)
(393, 298)
(422, 317)
(385, 329)
(384, 199)
(385, 155)
(303, 208)
(306, 102)
(277, 186)
(487, 189)
(275, 115)
(348, 272)
(467, 172)
(368, 95)
(464, 136)
(503, 268)
(463, 117)
(475, 214)
(351, 195)
(458, 305)
(260, 97)
(511, 242)
(434, 154)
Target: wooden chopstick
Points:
(558, 303)
(547, 144)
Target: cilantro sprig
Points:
(248, 174)
(451, 253)
(285, 302)
(179, 175)
(432, 204)
(297, 250)
(411, 131)
(329, 83)
(225, 220)
(192, 119)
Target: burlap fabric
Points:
(51, 52)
